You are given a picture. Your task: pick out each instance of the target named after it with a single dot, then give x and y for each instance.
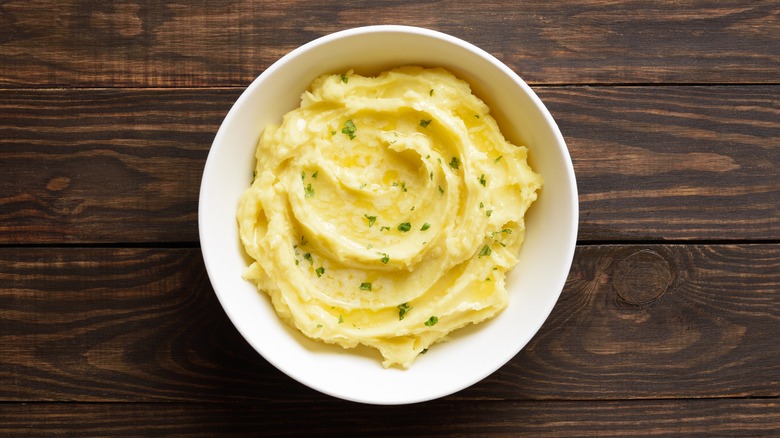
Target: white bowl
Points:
(472, 353)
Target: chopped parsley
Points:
(309, 191)
(488, 213)
(385, 258)
(371, 220)
(320, 271)
(383, 228)
(341, 319)
(403, 309)
(431, 175)
(344, 78)
(424, 123)
(431, 321)
(402, 184)
(498, 158)
(486, 251)
(404, 226)
(482, 180)
(314, 175)
(455, 163)
(425, 226)
(307, 256)
(441, 190)
(365, 286)
(349, 129)
(430, 93)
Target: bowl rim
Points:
(553, 288)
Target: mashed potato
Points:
(386, 211)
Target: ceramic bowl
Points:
(472, 353)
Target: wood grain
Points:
(124, 165)
(658, 418)
(135, 325)
(673, 162)
(88, 43)
(104, 165)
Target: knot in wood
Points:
(642, 277)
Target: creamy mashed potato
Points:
(386, 211)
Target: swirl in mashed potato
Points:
(386, 211)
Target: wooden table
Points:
(668, 324)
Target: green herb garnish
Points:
(441, 190)
(404, 226)
(371, 220)
(425, 226)
(482, 180)
(385, 258)
(320, 271)
(349, 129)
(455, 163)
(365, 286)
(424, 123)
(488, 213)
(344, 78)
(498, 158)
(403, 309)
(308, 257)
(431, 321)
(309, 191)
(486, 251)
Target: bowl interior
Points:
(472, 353)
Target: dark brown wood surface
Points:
(668, 324)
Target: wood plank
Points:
(104, 165)
(673, 162)
(88, 43)
(124, 165)
(439, 418)
(633, 322)
(654, 321)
